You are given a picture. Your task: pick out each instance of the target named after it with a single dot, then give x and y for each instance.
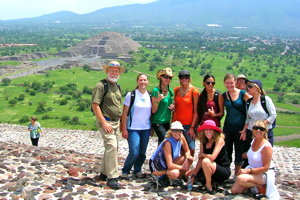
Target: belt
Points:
(112, 120)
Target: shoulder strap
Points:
(177, 88)
(193, 96)
(248, 103)
(234, 104)
(264, 104)
(132, 98)
(216, 99)
(105, 87)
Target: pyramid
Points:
(106, 45)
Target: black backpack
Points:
(104, 81)
(132, 98)
(264, 105)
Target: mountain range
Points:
(254, 14)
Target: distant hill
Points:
(255, 14)
(56, 16)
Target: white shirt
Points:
(256, 112)
(140, 111)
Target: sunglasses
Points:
(210, 82)
(259, 127)
(251, 86)
(177, 130)
(241, 81)
(167, 77)
(184, 77)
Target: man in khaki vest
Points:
(107, 110)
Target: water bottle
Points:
(189, 184)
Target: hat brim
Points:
(122, 69)
(203, 127)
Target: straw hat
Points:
(114, 64)
(167, 71)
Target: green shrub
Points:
(65, 118)
(6, 81)
(46, 117)
(32, 92)
(295, 101)
(24, 119)
(21, 97)
(63, 102)
(13, 102)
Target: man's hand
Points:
(107, 127)
(192, 134)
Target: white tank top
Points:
(254, 157)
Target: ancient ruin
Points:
(110, 45)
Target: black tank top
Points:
(222, 158)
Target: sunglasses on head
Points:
(184, 77)
(210, 82)
(259, 128)
(167, 77)
(176, 130)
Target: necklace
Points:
(183, 93)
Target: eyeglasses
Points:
(176, 130)
(210, 82)
(259, 127)
(167, 77)
(114, 71)
(184, 77)
(250, 86)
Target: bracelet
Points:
(194, 176)
(192, 127)
(251, 171)
(156, 103)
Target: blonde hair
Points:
(203, 139)
(229, 76)
(262, 124)
(169, 134)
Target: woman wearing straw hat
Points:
(213, 165)
(162, 99)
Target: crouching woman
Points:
(259, 175)
(213, 165)
(166, 162)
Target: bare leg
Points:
(245, 181)
(209, 169)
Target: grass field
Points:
(290, 143)
(128, 82)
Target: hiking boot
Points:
(113, 183)
(103, 177)
(124, 176)
(138, 175)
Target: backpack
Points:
(132, 98)
(264, 105)
(104, 81)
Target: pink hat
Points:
(209, 124)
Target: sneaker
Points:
(113, 183)
(103, 177)
(138, 175)
(124, 176)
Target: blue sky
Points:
(17, 9)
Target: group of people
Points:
(250, 114)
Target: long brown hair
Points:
(203, 139)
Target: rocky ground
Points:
(67, 163)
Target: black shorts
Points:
(221, 174)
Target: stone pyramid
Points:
(106, 45)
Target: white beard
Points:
(112, 78)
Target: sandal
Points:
(208, 190)
(215, 186)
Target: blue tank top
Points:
(176, 147)
(234, 118)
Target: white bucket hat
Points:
(177, 125)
